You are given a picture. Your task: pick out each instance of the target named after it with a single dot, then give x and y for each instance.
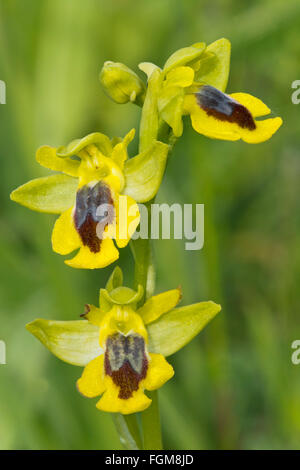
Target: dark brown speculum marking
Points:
(126, 362)
(86, 216)
(224, 108)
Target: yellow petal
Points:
(46, 156)
(253, 104)
(159, 304)
(85, 259)
(93, 314)
(128, 218)
(91, 384)
(180, 77)
(111, 403)
(65, 238)
(264, 131)
(159, 372)
(119, 153)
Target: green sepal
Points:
(144, 173)
(115, 280)
(105, 301)
(75, 342)
(52, 194)
(73, 148)
(175, 329)
(184, 56)
(148, 68)
(215, 65)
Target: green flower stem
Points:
(145, 276)
(151, 425)
(151, 128)
(128, 430)
(144, 270)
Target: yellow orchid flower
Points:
(122, 347)
(96, 196)
(193, 81)
(126, 368)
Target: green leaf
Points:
(53, 194)
(184, 56)
(144, 173)
(178, 327)
(215, 65)
(75, 342)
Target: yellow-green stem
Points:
(144, 275)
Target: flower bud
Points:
(121, 83)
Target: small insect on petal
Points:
(126, 362)
(224, 108)
(86, 216)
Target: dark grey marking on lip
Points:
(126, 362)
(224, 108)
(88, 200)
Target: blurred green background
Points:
(235, 385)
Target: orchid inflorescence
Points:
(122, 344)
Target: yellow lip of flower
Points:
(229, 117)
(125, 369)
(121, 347)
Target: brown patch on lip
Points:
(240, 115)
(223, 108)
(126, 363)
(88, 234)
(88, 199)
